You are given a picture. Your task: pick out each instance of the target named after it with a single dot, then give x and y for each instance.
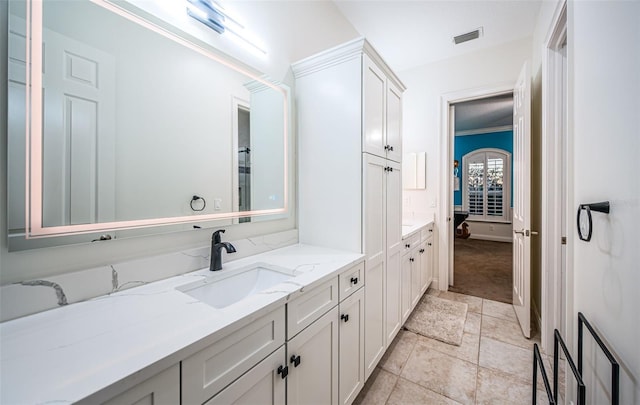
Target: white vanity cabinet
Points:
(417, 267)
(325, 341)
(349, 105)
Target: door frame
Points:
(445, 210)
(554, 289)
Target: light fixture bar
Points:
(203, 11)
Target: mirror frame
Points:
(33, 210)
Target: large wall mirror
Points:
(121, 123)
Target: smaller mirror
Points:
(414, 175)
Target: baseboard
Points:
(491, 238)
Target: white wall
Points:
(290, 31)
(421, 105)
(604, 123)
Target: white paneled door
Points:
(522, 200)
(79, 142)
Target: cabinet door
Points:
(373, 109)
(374, 232)
(406, 285)
(313, 363)
(415, 278)
(394, 122)
(393, 190)
(427, 262)
(422, 264)
(351, 347)
(262, 385)
(163, 388)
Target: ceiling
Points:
(484, 114)
(411, 33)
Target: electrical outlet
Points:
(217, 204)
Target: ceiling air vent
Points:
(475, 34)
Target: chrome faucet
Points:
(216, 250)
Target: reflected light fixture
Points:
(214, 16)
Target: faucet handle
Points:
(216, 236)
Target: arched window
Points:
(486, 180)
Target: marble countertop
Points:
(66, 354)
(409, 228)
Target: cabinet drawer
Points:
(210, 370)
(163, 388)
(410, 242)
(302, 311)
(350, 280)
(426, 232)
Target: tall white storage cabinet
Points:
(349, 106)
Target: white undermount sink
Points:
(225, 289)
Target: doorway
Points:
(482, 197)
(556, 215)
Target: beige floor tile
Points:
(506, 358)
(499, 310)
(498, 388)
(467, 351)
(408, 393)
(398, 352)
(377, 389)
(472, 325)
(505, 331)
(475, 303)
(441, 373)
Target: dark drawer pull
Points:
(354, 280)
(295, 360)
(345, 317)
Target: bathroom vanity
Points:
(157, 341)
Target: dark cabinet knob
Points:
(429, 243)
(345, 317)
(354, 280)
(407, 246)
(421, 250)
(284, 370)
(390, 148)
(411, 259)
(295, 360)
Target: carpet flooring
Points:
(483, 269)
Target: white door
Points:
(351, 347)
(313, 363)
(373, 114)
(79, 141)
(393, 190)
(522, 200)
(394, 123)
(374, 206)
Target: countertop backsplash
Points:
(33, 296)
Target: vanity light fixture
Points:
(214, 16)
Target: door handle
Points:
(525, 232)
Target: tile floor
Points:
(492, 366)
